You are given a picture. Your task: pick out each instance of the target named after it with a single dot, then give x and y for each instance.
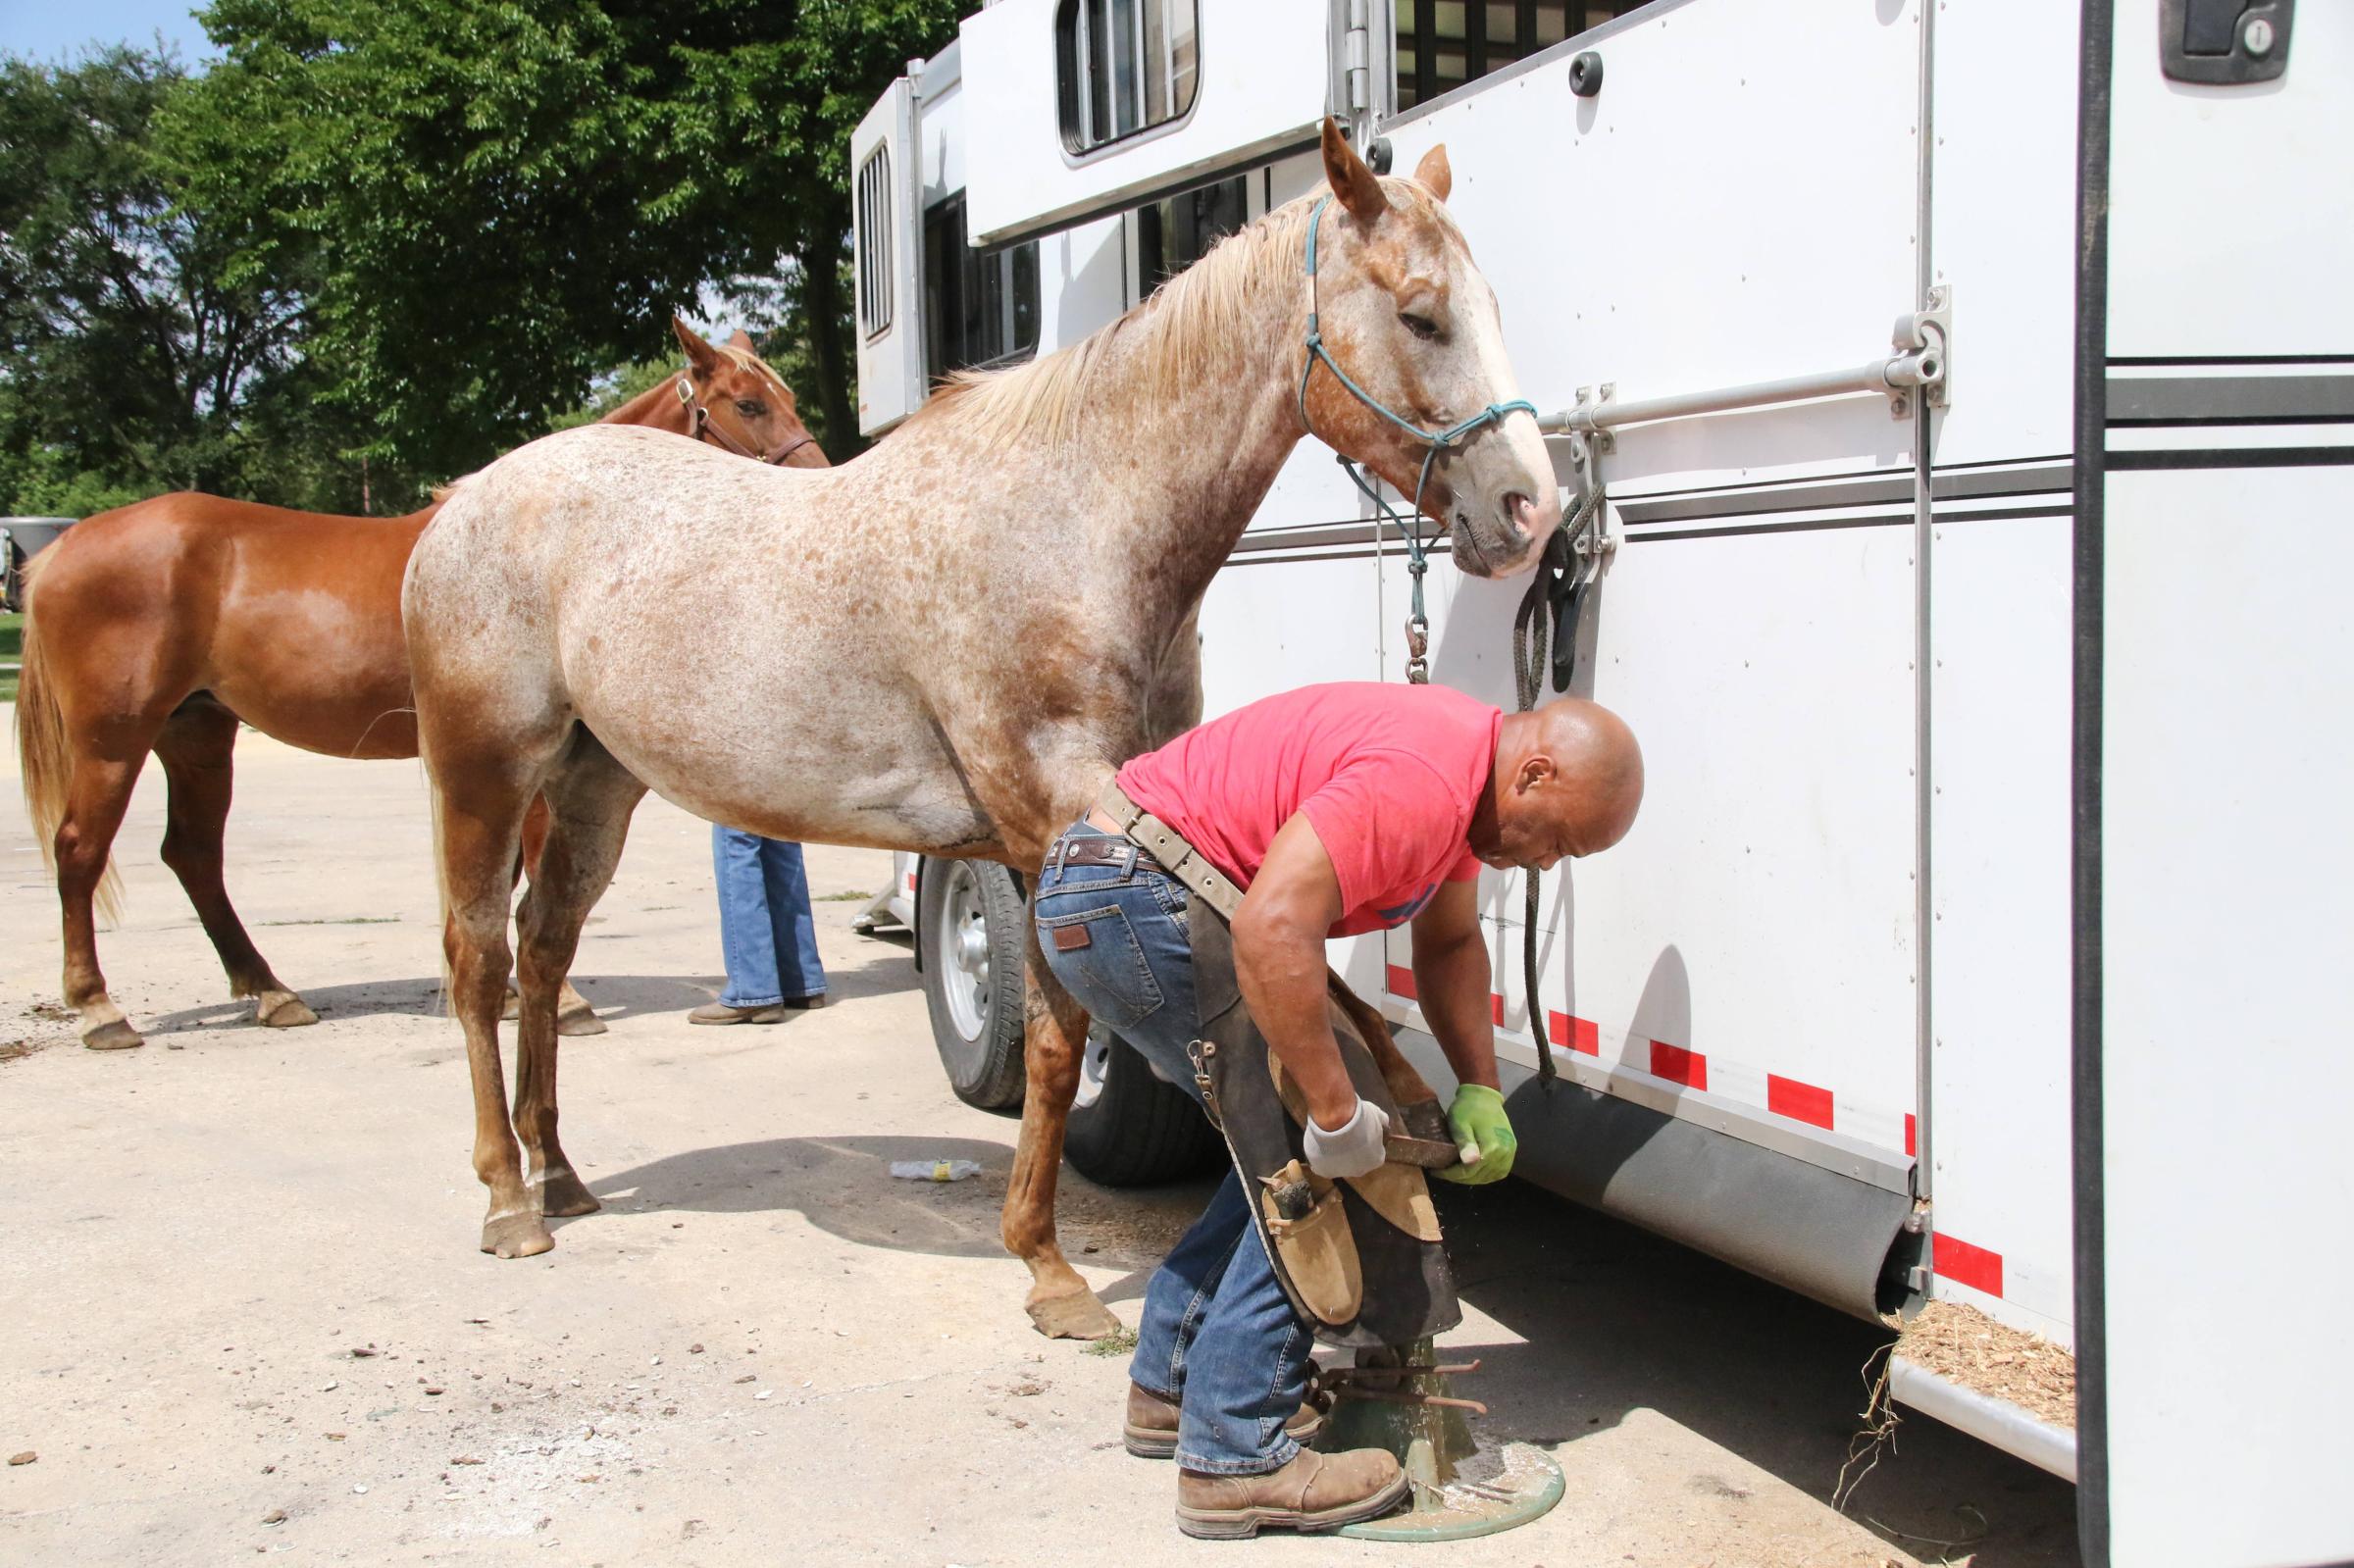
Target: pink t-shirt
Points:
(1387, 774)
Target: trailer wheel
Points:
(971, 923)
(1129, 1128)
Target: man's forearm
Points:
(1452, 984)
(1282, 975)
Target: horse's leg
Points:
(588, 798)
(96, 796)
(481, 793)
(573, 1015)
(196, 749)
(1060, 1304)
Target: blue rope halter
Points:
(1435, 442)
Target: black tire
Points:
(1130, 1128)
(970, 923)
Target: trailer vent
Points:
(874, 225)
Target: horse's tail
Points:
(44, 755)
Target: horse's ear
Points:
(699, 354)
(1352, 181)
(743, 339)
(1433, 172)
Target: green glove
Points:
(1484, 1134)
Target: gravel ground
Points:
(246, 1313)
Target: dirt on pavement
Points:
(245, 1314)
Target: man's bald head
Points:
(1567, 781)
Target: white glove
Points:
(1356, 1147)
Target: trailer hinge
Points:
(1356, 57)
(1924, 340)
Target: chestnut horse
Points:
(158, 627)
(943, 646)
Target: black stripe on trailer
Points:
(2095, 45)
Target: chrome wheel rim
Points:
(960, 947)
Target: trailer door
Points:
(1737, 204)
(883, 185)
(2215, 763)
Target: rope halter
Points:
(1434, 442)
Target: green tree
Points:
(142, 345)
(509, 196)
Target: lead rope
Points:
(1529, 636)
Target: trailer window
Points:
(1123, 67)
(873, 216)
(1444, 43)
(980, 307)
(1173, 234)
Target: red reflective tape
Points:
(1581, 1035)
(1402, 981)
(1678, 1066)
(1495, 1007)
(1909, 1148)
(911, 882)
(1963, 1264)
(1800, 1102)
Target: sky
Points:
(54, 31)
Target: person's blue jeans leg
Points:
(1218, 1335)
(793, 928)
(766, 932)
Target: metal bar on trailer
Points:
(1887, 376)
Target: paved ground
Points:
(239, 1277)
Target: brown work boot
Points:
(1314, 1492)
(1151, 1430)
(721, 1013)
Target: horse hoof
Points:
(286, 1011)
(582, 1022)
(116, 1035)
(1073, 1316)
(517, 1236)
(564, 1195)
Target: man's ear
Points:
(699, 354)
(1535, 772)
(1433, 172)
(1357, 186)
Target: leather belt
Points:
(1166, 846)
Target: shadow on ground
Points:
(614, 996)
(1607, 1320)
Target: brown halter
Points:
(704, 428)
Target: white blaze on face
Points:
(1506, 457)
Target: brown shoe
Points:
(1151, 1430)
(1314, 1492)
(721, 1013)
(813, 999)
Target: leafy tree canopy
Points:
(140, 349)
(507, 196)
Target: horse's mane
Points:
(1181, 331)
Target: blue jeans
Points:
(765, 928)
(1220, 1337)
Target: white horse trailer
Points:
(1993, 673)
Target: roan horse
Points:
(158, 627)
(943, 646)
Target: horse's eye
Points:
(1422, 326)
(750, 408)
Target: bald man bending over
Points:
(1339, 809)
